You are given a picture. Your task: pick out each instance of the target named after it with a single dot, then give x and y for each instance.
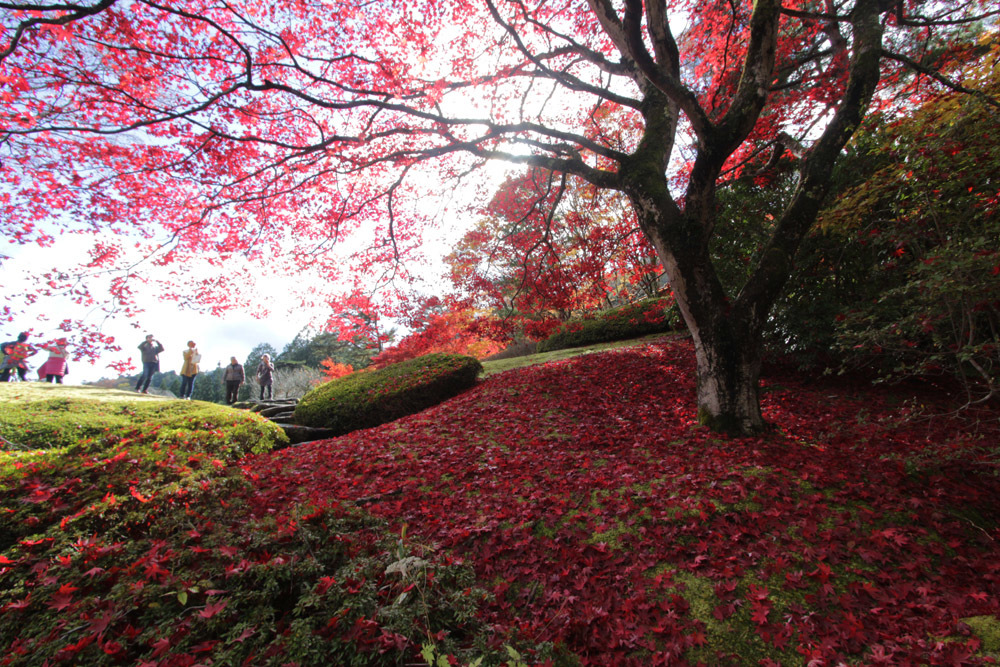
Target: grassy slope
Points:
(501, 365)
(36, 391)
(48, 416)
(611, 529)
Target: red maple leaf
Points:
(60, 601)
(212, 609)
(759, 614)
(246, 634)
(160, 646)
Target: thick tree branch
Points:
(755, 77)
(664, 45)
(631, 34)
(774, 266)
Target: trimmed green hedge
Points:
(367, 399)
(641, 318)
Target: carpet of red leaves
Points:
(600, 515)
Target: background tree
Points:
(451, 327)
(310, 121)
(923, 205)
(209, 385)
(548, 248)
(310, 348)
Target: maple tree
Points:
(250, 132)
(450, 328)
(548, 248)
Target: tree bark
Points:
(728, 375)
(728, 330)
(728, 341)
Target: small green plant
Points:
(367, 399)
(641, 318)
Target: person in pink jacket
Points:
(55, 367)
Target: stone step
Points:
(254, 405)
(273, 411)
(298, 434)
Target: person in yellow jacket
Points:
(189, 370)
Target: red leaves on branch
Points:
(546, 249)
(452, 330)
(333, 370)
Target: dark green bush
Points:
(363, 400)
(641, 318)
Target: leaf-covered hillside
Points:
(611, 529)
(572, 513)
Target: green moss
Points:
(612, 537)
(106, 449)
(987, 629)
(85, 421)
(367, 399)
(735, 636)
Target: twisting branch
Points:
(75, 13)
(940, 78)
(563, 78)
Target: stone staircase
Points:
(282, 412)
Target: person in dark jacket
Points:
(150, 350)
(233, 377)
(16, 353)
(265, 376)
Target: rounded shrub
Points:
(641, 318)
(366, 399)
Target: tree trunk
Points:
(728, 375)
(727, 337)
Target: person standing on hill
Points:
(150, 350)
(17, 352)
(234, 377)
(55, 366)
(189, 370)
(265, 376)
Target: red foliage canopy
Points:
(270, 133)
